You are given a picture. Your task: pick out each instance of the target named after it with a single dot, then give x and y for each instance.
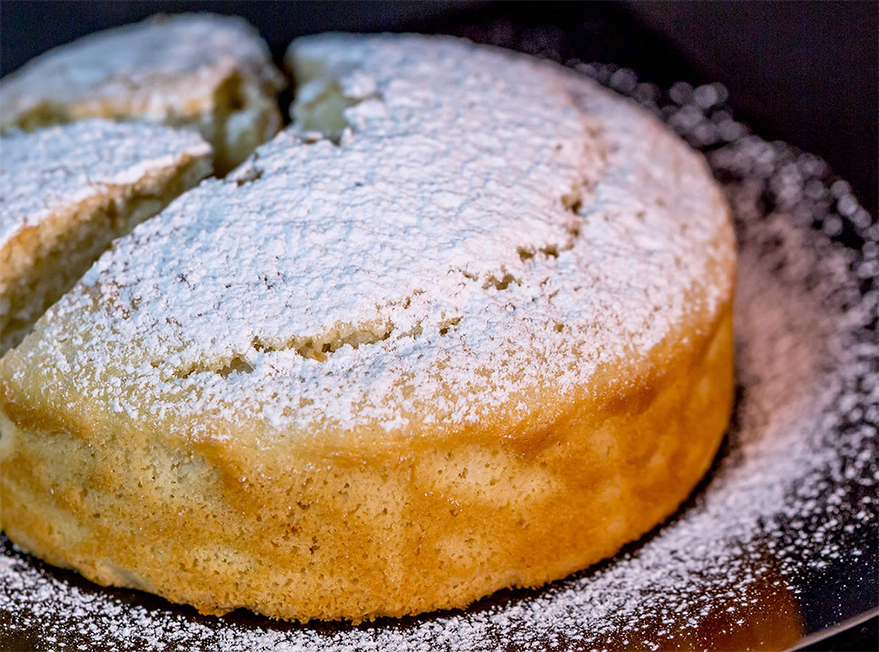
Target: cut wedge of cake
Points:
(212, 73)
(67, 191)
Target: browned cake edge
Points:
(388, 527)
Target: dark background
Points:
(805, 72)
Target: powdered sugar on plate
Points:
(790, 502)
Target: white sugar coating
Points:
(794, 492)
(164, 66)
(453, 252)
(54, 169)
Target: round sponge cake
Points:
(467, 327)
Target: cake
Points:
(466, 325)
(207, 72)
(68, 191)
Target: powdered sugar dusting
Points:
(159, 69)
(449, 256)
(54, 169)
(793, 493)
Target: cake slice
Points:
(67, 191)
(212, 73)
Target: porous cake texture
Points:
(67, 191)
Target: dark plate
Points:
(777, 545)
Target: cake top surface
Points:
(54, 169)
(486, 227)
(162, 65)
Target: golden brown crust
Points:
(425, 524)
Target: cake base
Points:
(389, 528)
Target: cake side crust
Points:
(416, 525)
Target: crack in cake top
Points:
(485, 224)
